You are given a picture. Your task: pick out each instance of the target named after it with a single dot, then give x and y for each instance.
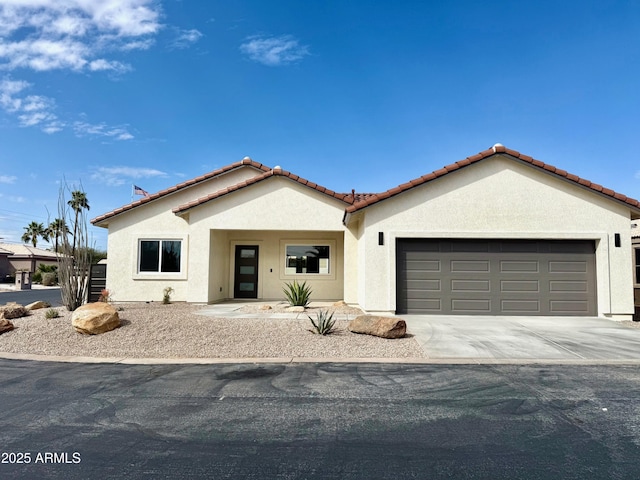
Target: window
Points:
(160, 256)
(637, 264)
(307, 259)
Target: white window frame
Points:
(159, 272)
(288, 270)
(636, 264)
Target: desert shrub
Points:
(52, 313)
(166, 295)
(298, 294)
(105, 296)
(36, 277)
(323, 324)
(49, 279)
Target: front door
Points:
(245, 284)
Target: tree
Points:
(56, 229)
(77, 203)
(73, 270)
(33, 231)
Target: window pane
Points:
(247, 253)
(247, 270)
(171, 256)
(307, 259)
(149, 256)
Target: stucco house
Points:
(14, 257)
(496, 233)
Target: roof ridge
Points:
(276, 171)
(495, 150)
(246, 161)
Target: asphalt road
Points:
(25, 297)
(318, 421)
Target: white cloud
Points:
(8, 179)
(114, 176)
(186, 38)
(274, 51)
(31, 110)
(101, 130)
(73, 34)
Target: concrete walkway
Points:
(233, 309)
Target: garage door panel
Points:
(559, 286)
(470, 286)
(521, 307)
(426, 305)
(507, 286)
(567, 267)
(569, 307)
(467, 305)
(463, 266)
(519, 266)
(426, 285)
(496, 277)
(423, 265)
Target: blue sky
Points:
(349, 94)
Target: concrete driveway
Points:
(524, 338)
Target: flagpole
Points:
(132, 191)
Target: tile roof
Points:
(26, 250)
(244, 162)
(497, 149)
(347, 198)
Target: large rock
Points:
(385, 327)
(36, 306)
(94, 318)
(12, 310)
(5, 326)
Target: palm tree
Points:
(77, 203)
(56, 229)
(33, 231)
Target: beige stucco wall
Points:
(269, 214)
(155, 220)
(271, 263)
(498, 198)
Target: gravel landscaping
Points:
(176, 331)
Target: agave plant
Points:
(298, 294)
(323, 324)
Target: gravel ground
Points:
(176, 331)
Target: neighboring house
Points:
(5, 266)
(496, 233)
(24, 257)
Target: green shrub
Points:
(52, 313)
(166, 295)
(323, 324)
(49, 279)
(36, 277)
(298, 294)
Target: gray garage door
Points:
(496, 277)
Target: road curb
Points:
(292, 360)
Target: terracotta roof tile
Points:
(365, 202)
(180, 186)
(344, 197)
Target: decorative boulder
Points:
(36, 306)
(5, 326)
(12, 310)
(295, 309)
(95, 318)
(385, 327)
